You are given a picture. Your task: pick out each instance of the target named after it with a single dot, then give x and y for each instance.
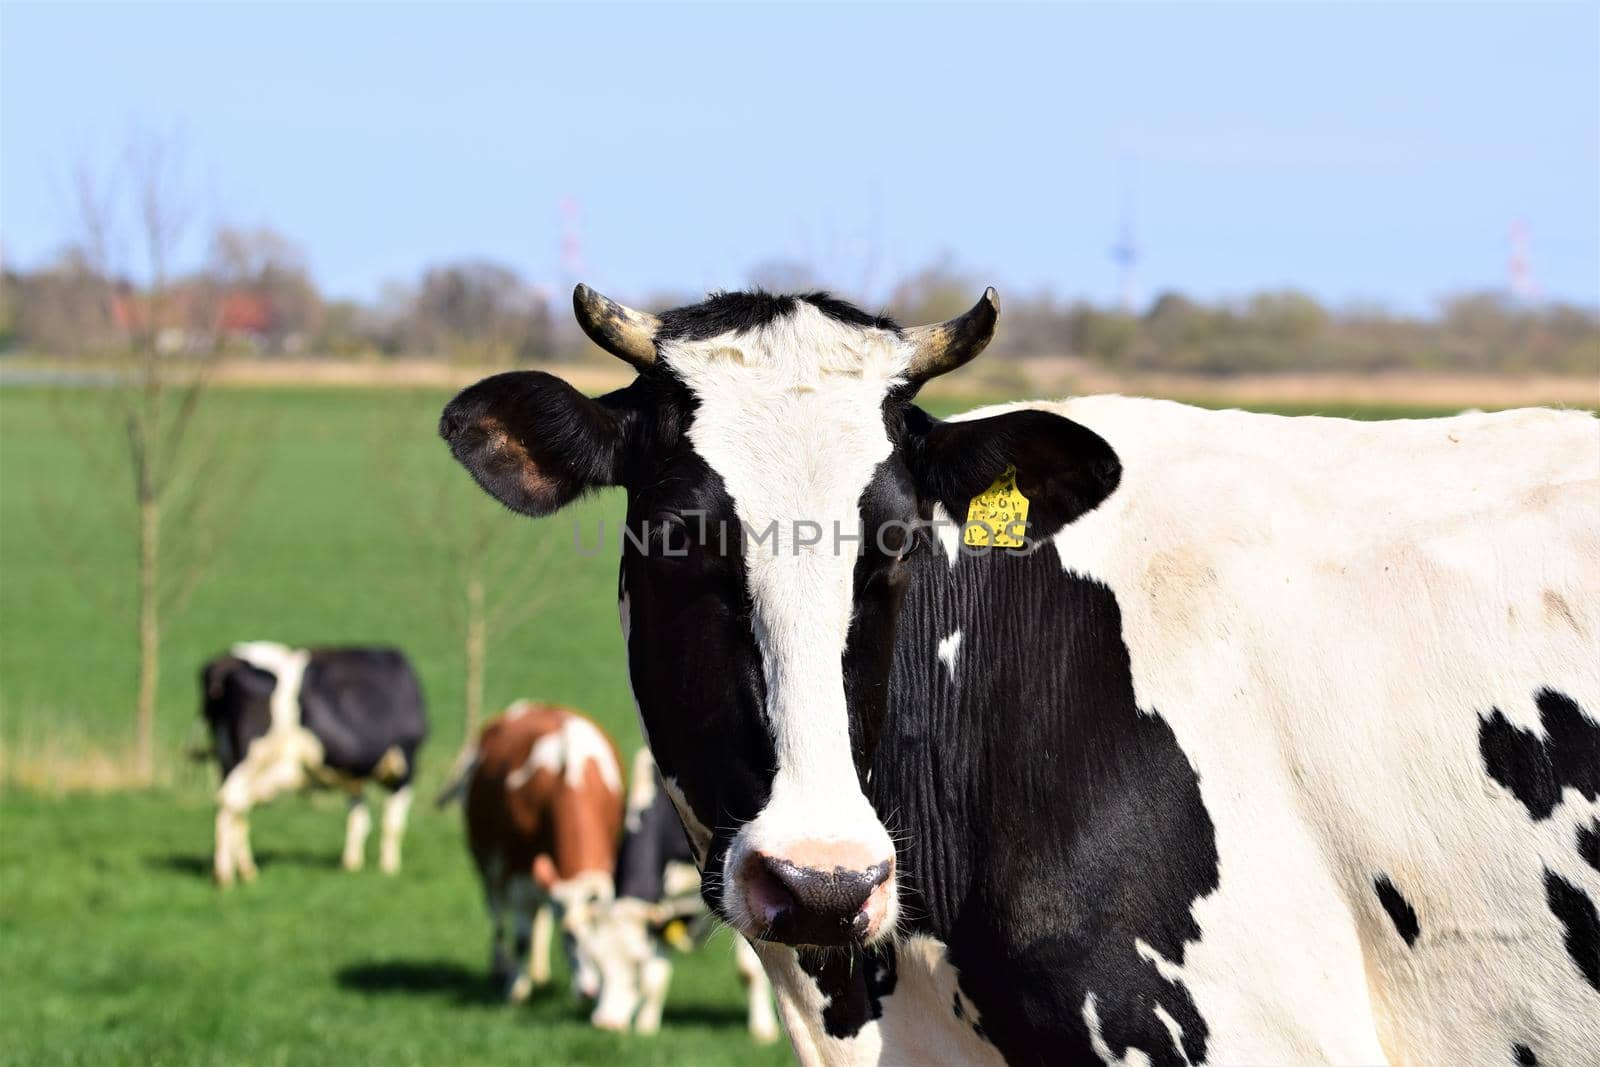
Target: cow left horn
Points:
(625, 333)
(944, 346)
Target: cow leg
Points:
(396, 808)
(544, 925)
(223, 857)
(492, 871)
(655, 975)
(243, 857)
(254, 781)
(526, 901)
(357, 825)
(762, 1019)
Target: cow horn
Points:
(944, 346)
(625, 333)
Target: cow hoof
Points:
(764, 1037)
(353, 865)
(247, 874)
(390, 868)
(520, 989)
(224, 881)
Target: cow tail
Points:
(460, 774)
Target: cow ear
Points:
(214, 676)
(533, 442)
(1062, 469)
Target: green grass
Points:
(114, 947)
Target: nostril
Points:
(766, 891)
(837, 893)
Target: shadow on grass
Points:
(198, 865)
(428, 978)
(718, 1016)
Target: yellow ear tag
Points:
(998, 516)
(676, 934)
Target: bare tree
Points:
(155, 338)
(480, 312)
(266, 286)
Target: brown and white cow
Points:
(543, 797)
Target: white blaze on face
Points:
(791, 417)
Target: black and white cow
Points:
(1263, 740)
(657, 908)
(284, 718)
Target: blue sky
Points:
(1361, 152)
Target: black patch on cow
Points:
(739, 312)
(1578, 917)
(1589, 844)
(1401, 913)
(1524, 1056)
(1051, 821)
(359, 703)
(854, 981)
(236, 704)
(692, 655)
(655, 841)
(1537, 769)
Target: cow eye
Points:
(668, 534)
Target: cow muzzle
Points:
(816, 894)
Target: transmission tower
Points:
(1125, 253)
(1519, 264)
(571, 242)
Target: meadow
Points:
(114, 946)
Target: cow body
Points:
(543, 803)
(1267, 689)
(657, 909)
(1274, 740)
(283, 718)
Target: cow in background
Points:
(543, 791)
(285, 718)
(657, 905)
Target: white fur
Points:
(699, 834)
(566, 752)
(357, 825)
(790, 416)
(947, 652)
(1321, 610)
(917, 1029)
(279, 760)
(396, 809)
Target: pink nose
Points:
(806, 897)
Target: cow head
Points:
(776, 472)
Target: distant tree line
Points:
(1277, 331)
(256, 291)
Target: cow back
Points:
(362, 704)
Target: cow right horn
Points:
(627, 334)
(944, 346)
